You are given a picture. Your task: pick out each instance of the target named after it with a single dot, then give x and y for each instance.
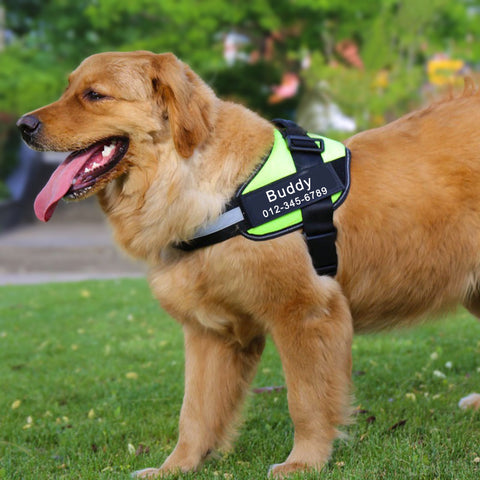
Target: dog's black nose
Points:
(29, 125)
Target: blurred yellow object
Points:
(445, 71)
(381, 80)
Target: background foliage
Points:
(43, 40)
(49, 38)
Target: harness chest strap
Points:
(303, 179)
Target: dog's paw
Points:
(470, 401)
(147, 473)
(283, 470)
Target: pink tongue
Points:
(58, 185)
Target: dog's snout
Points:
(29, 125)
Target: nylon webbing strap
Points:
(318, 228)
(230, 226)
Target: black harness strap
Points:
(319, 230)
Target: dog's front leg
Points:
(315, 350)
(217, 375)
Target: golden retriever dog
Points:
(164, 155)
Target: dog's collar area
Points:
(298, 185)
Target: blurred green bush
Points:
(395, 40)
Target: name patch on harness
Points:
(290, 193)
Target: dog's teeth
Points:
(92, 168)
(74, 181)
(107, 150)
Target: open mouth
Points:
(77, 175)
(95, 161)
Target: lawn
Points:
(91, 383)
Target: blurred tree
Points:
(56, 34)
(367, 57)
(395, 44)
(50, 37)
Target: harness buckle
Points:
(323, 251)
(303, 143)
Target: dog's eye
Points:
(93, 96)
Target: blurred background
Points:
(335, 66)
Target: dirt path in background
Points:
(75, 245)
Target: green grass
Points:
(91, 383)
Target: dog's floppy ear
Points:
(187, 100)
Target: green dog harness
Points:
(303, 179)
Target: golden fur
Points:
(408, 240)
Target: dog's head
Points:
(116, 104)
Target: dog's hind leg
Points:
(315, 349)
(217, 376)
